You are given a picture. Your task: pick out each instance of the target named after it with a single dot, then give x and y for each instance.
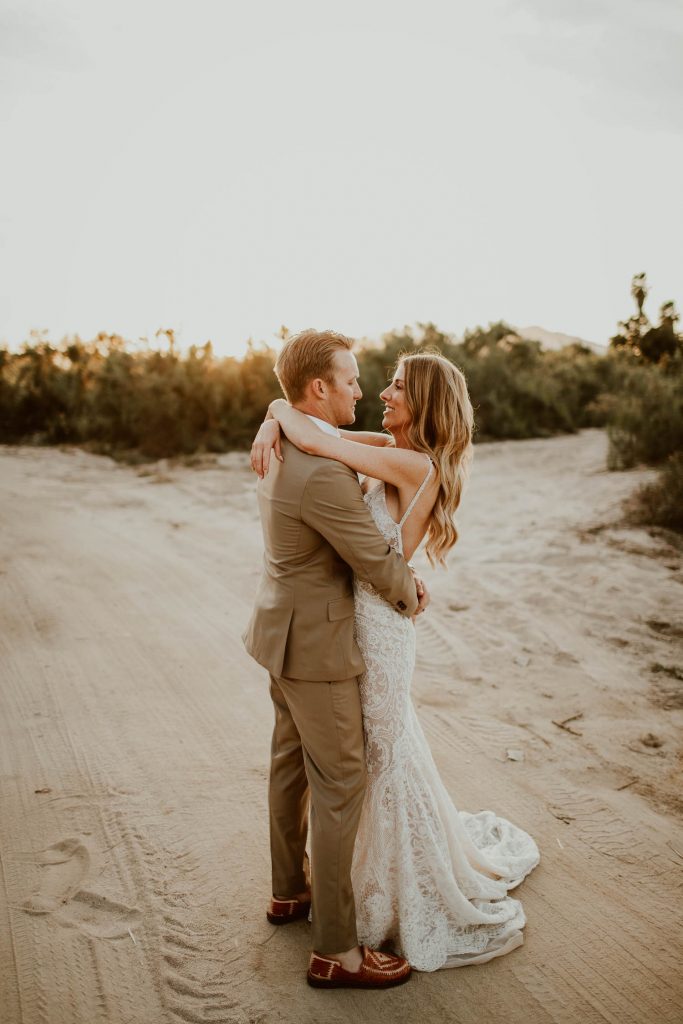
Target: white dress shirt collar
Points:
(324, 425)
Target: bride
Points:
(429, 880)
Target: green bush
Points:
(517, 389)
(661, 502)
(644, 411)
(154, 402)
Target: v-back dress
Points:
(421, 868)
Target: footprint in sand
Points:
(65, 866)
(98, 916)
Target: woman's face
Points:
(396, 416)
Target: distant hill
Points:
(555, 339)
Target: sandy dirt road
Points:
(134, 735)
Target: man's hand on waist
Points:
(423, 595)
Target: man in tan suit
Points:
(318, 532)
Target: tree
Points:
(639, 290)
(650, 343)
(661, 343)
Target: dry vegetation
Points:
(148, 403)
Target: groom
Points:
(317, 533)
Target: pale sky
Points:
(225, 167)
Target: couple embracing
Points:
(394, 864)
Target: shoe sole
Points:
(324, 983)
(286, 920)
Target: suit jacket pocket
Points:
(340, 608)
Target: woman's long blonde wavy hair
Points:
(442, 423)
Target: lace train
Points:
(422, 870)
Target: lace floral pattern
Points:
(422, 869)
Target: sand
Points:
(134, 736)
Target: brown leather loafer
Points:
(285, 911)
(378, 970)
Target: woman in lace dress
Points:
(430, 880)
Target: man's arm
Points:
(333, 505)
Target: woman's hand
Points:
(268, 439)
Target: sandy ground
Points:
(134, 736)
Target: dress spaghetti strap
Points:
(418, 492)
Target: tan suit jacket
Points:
(317, 532)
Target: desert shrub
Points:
(517, 389)
(644, 413)
(661, 503)
(35, 396)
(155, 401)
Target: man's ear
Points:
(318, 388)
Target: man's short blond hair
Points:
(305, 357)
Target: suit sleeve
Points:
(333, 505)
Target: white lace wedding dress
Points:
(421, 869)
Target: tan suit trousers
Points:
(317, 751)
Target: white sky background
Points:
(224, 168)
